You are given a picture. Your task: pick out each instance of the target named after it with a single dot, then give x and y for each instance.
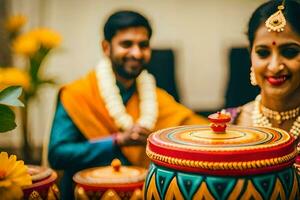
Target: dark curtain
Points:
(162, 66)
(239, 90)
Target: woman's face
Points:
(276, 62)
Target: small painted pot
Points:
(202, 162)
(43, 184)
(110, 182)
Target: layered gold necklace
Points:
(279, 116)
(260, 115)
(110, 93)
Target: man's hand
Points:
(136, 135)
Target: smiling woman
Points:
(274, 37)
(276, 67)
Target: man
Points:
(109, 113)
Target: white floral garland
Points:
(258, 119)
(146, 87)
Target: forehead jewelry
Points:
(276, 22)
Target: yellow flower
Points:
(25, 45)
(29, 43)
(14, 23)
(46, 37)
(13, 175)
(11, 193)
(13, 76)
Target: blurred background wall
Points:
(201, 34)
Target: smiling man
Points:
(110, 113)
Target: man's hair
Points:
(122, 20)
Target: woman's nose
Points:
(275, 64)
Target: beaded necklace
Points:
(260, 119)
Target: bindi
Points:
(274, 43)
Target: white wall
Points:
(201, 32)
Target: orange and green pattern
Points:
(164, 183)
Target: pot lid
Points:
(110, 176)
(41, 176)
(218, 149)
(38, 173)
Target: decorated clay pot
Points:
(43, 184)
(111, 182)
(202, 162)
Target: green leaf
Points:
(7, 119)
(9, 96)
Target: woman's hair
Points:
(291, 13)
(124, 19)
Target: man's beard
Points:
(120, 68)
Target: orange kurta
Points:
(86, 108)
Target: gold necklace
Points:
(259, 119)
(110, 93)
(280, 116)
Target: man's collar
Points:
(123, 89)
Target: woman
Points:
(274, 37)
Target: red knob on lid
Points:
(218, 122)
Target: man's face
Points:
(129, 52)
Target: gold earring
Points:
(252, 78)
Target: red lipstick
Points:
(276, 80)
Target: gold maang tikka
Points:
(276, 22)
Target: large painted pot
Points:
(110, 182)
(202, 162)
(43, 184)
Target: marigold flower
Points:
(25, 45)
(11, 193)
(13, 175)
(46, 37)
(13, 76)
(14, 23)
